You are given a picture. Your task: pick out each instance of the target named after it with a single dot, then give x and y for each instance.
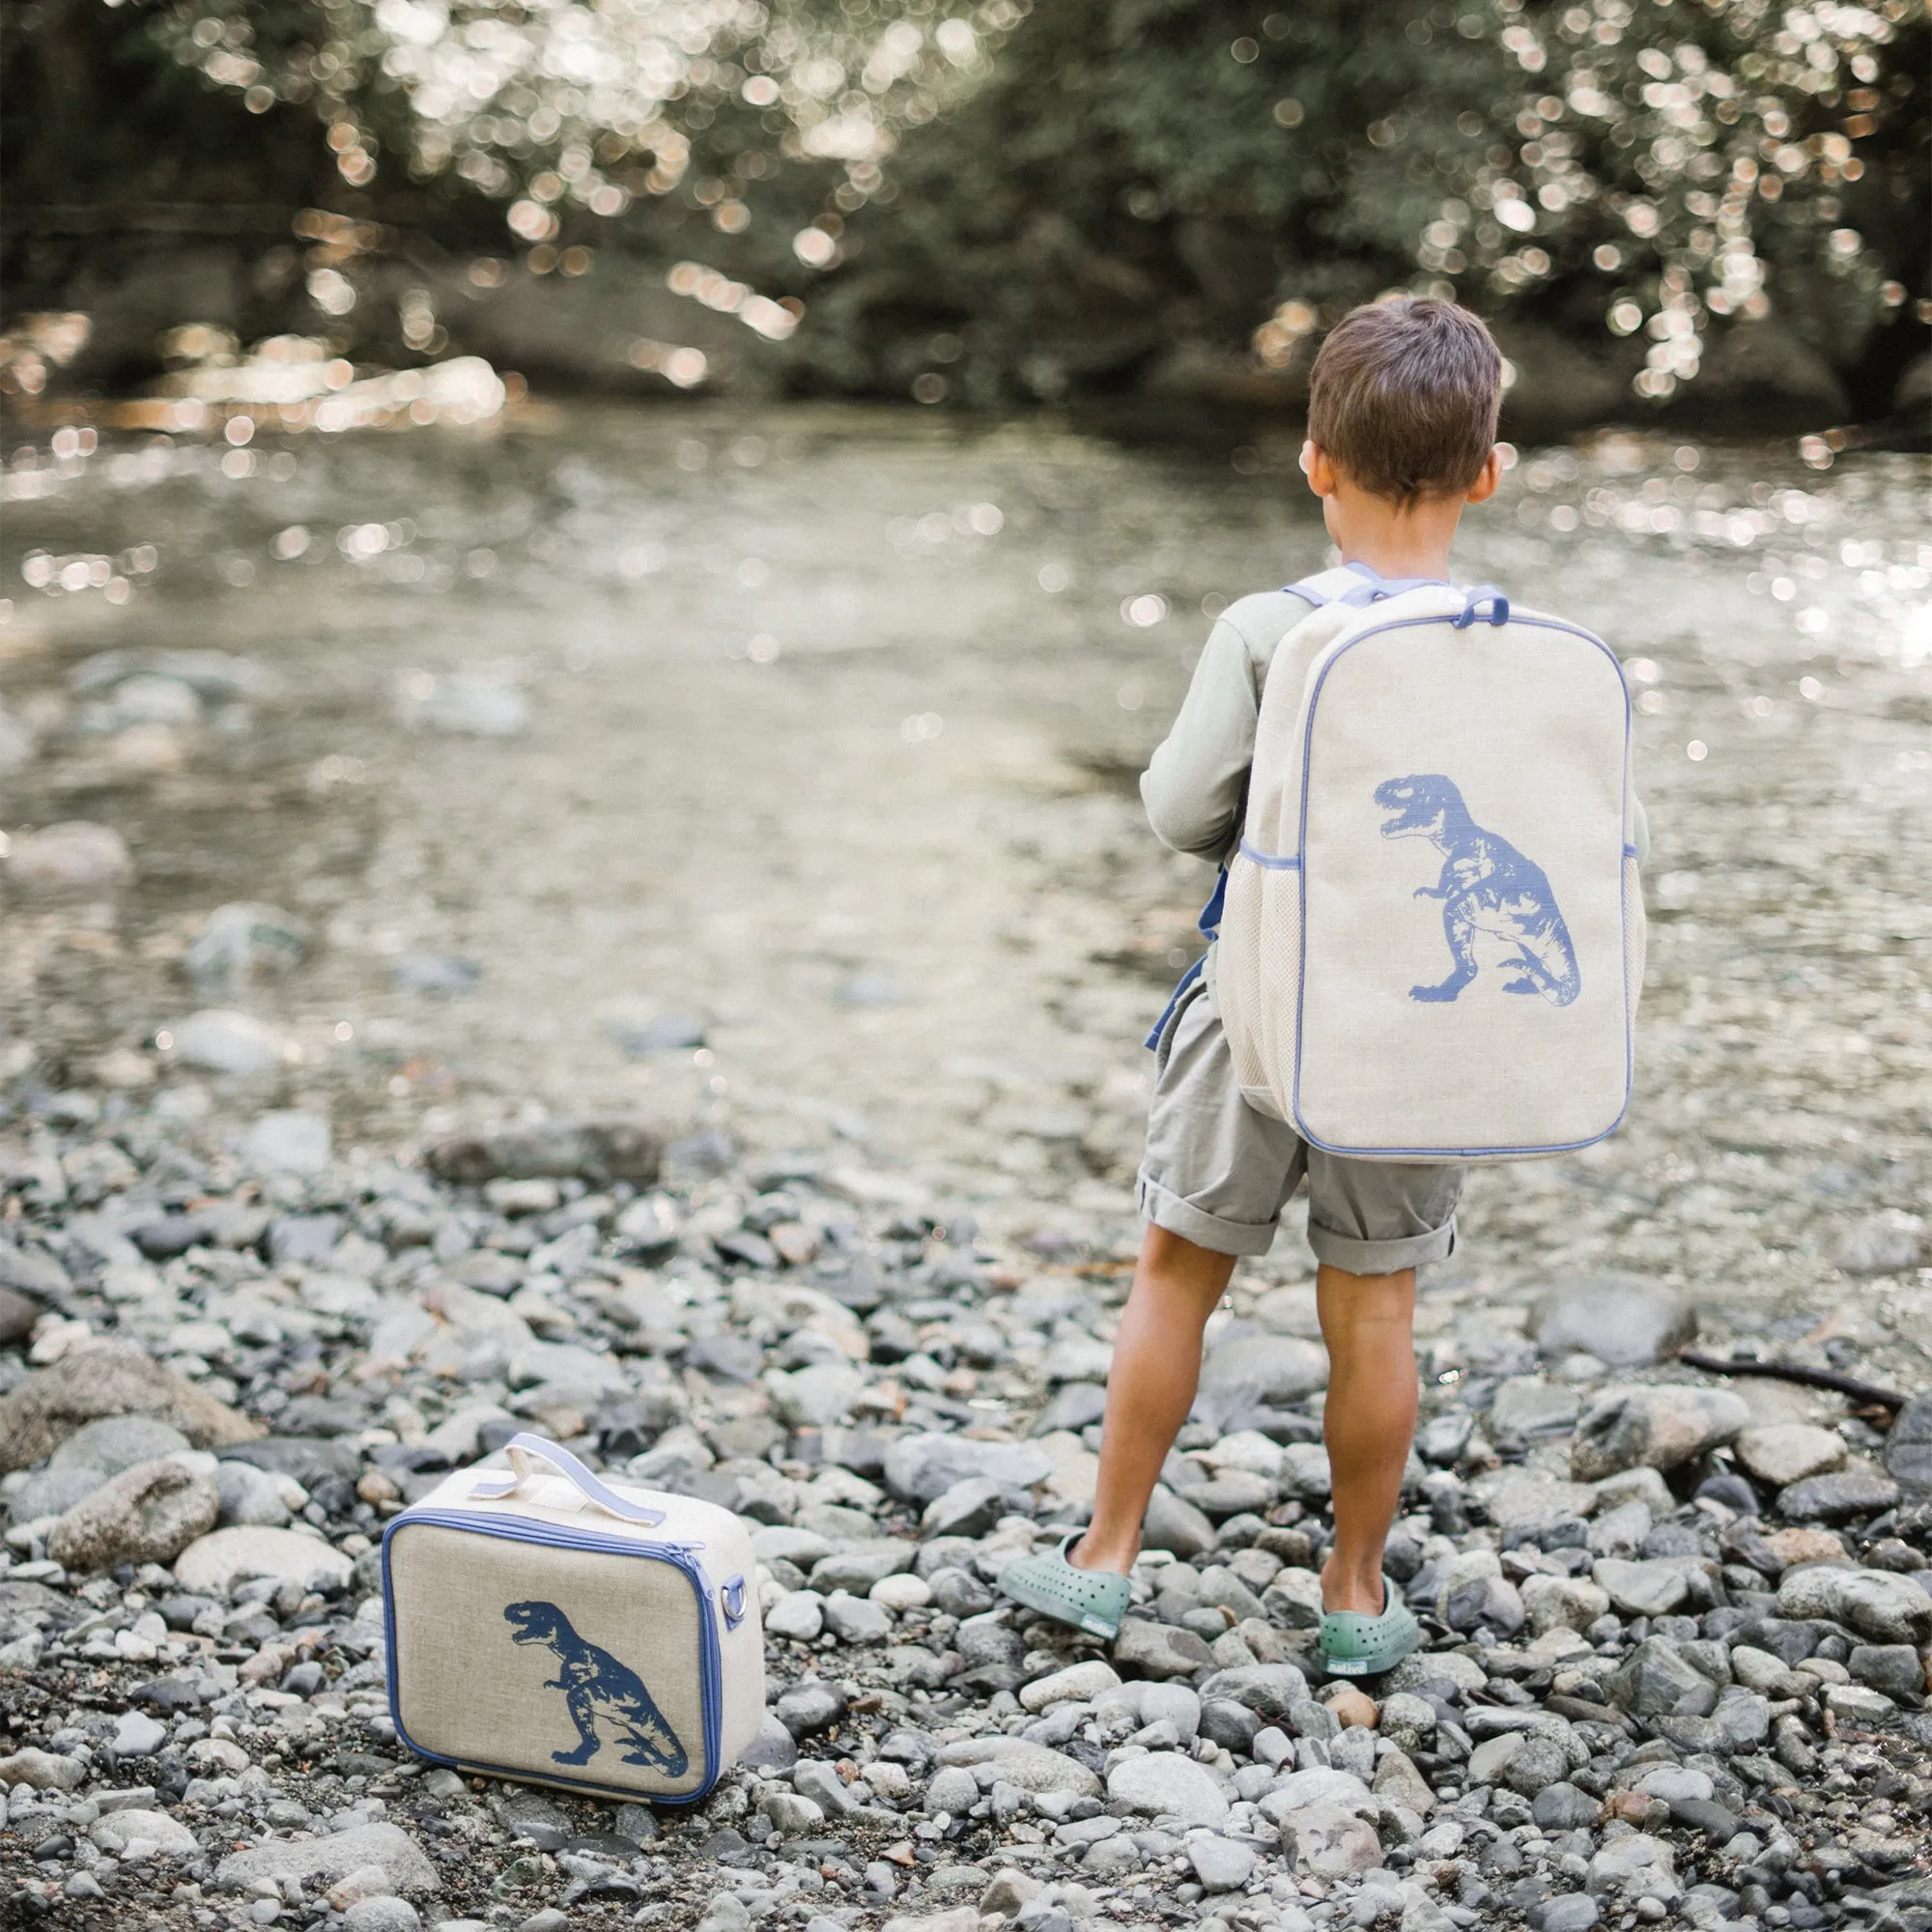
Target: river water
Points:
(811, 733)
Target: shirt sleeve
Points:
(1194, 785)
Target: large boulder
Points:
(1656, 1427)
(110, 1378)
(149, 1513)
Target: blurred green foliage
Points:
(1000, 203)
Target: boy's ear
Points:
(1487, 478)
(1319, 466)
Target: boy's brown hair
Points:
(1405, 397)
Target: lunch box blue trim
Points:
(680, 1556)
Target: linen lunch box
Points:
(548, 1626)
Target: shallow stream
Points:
(810, 736)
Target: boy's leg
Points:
(1150, 1388)
(1368, 1420)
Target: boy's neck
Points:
(1394, 540)
(1399, 560)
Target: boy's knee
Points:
(1165, 1253)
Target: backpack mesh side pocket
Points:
(1636, 933)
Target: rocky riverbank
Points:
(1678, 1626)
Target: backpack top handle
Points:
(1482, 594)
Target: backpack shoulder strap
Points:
(1357, 586)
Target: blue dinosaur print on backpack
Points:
(1486, 886)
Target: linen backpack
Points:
(546, 1625)
(1433, 936)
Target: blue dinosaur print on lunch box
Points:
(596, 1686)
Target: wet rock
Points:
(1220, 1864)
(149, 1513)
(42, 1771)
(1789, 1451)
(72, 859)
(1329, 1843)
(108, 1379)
(815, 1397)
(138, 1735)
(1843, 1494)
(135, 1833)
(967, 1508)
(215, 1563)
(1165, 1784)
(1656, 1677)
(1248, 1371)
(1176, 1525)
(386, 1846)
(921, 1468)
(287, 1142)
(117, 1442)
(1893, 1609)
(1527, 1499)
(233, 1044)
(1655, 1587)
(1659, 1428)
(799, 1614)
(1562, 1603)
(1528, 1406)
(774, 1747)
(1633, 1866)
(1621, 1319)
(1079, 1683)
(1792, 1548)
(250, 1497)
(1271, 1690)
(1354, 1708)
(1894, 1669)
(28, 1272)
(599, 1151)
(808, 1708)
(381, 1915)
(856, 1619)
(1908, 1449)
(1562, 1807)
(18, 1314)
(1026, 1766)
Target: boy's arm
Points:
(1195, 782)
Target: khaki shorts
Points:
(1219, 1174)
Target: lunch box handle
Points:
(525, 1451)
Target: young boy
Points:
(1401, 425)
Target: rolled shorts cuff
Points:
(1353, 1256)
(1162, 1208)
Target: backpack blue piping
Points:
(1272, 861)
(1629, 851)
(710, 1675)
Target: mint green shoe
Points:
(1094, 1601)
(1354, 1645)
